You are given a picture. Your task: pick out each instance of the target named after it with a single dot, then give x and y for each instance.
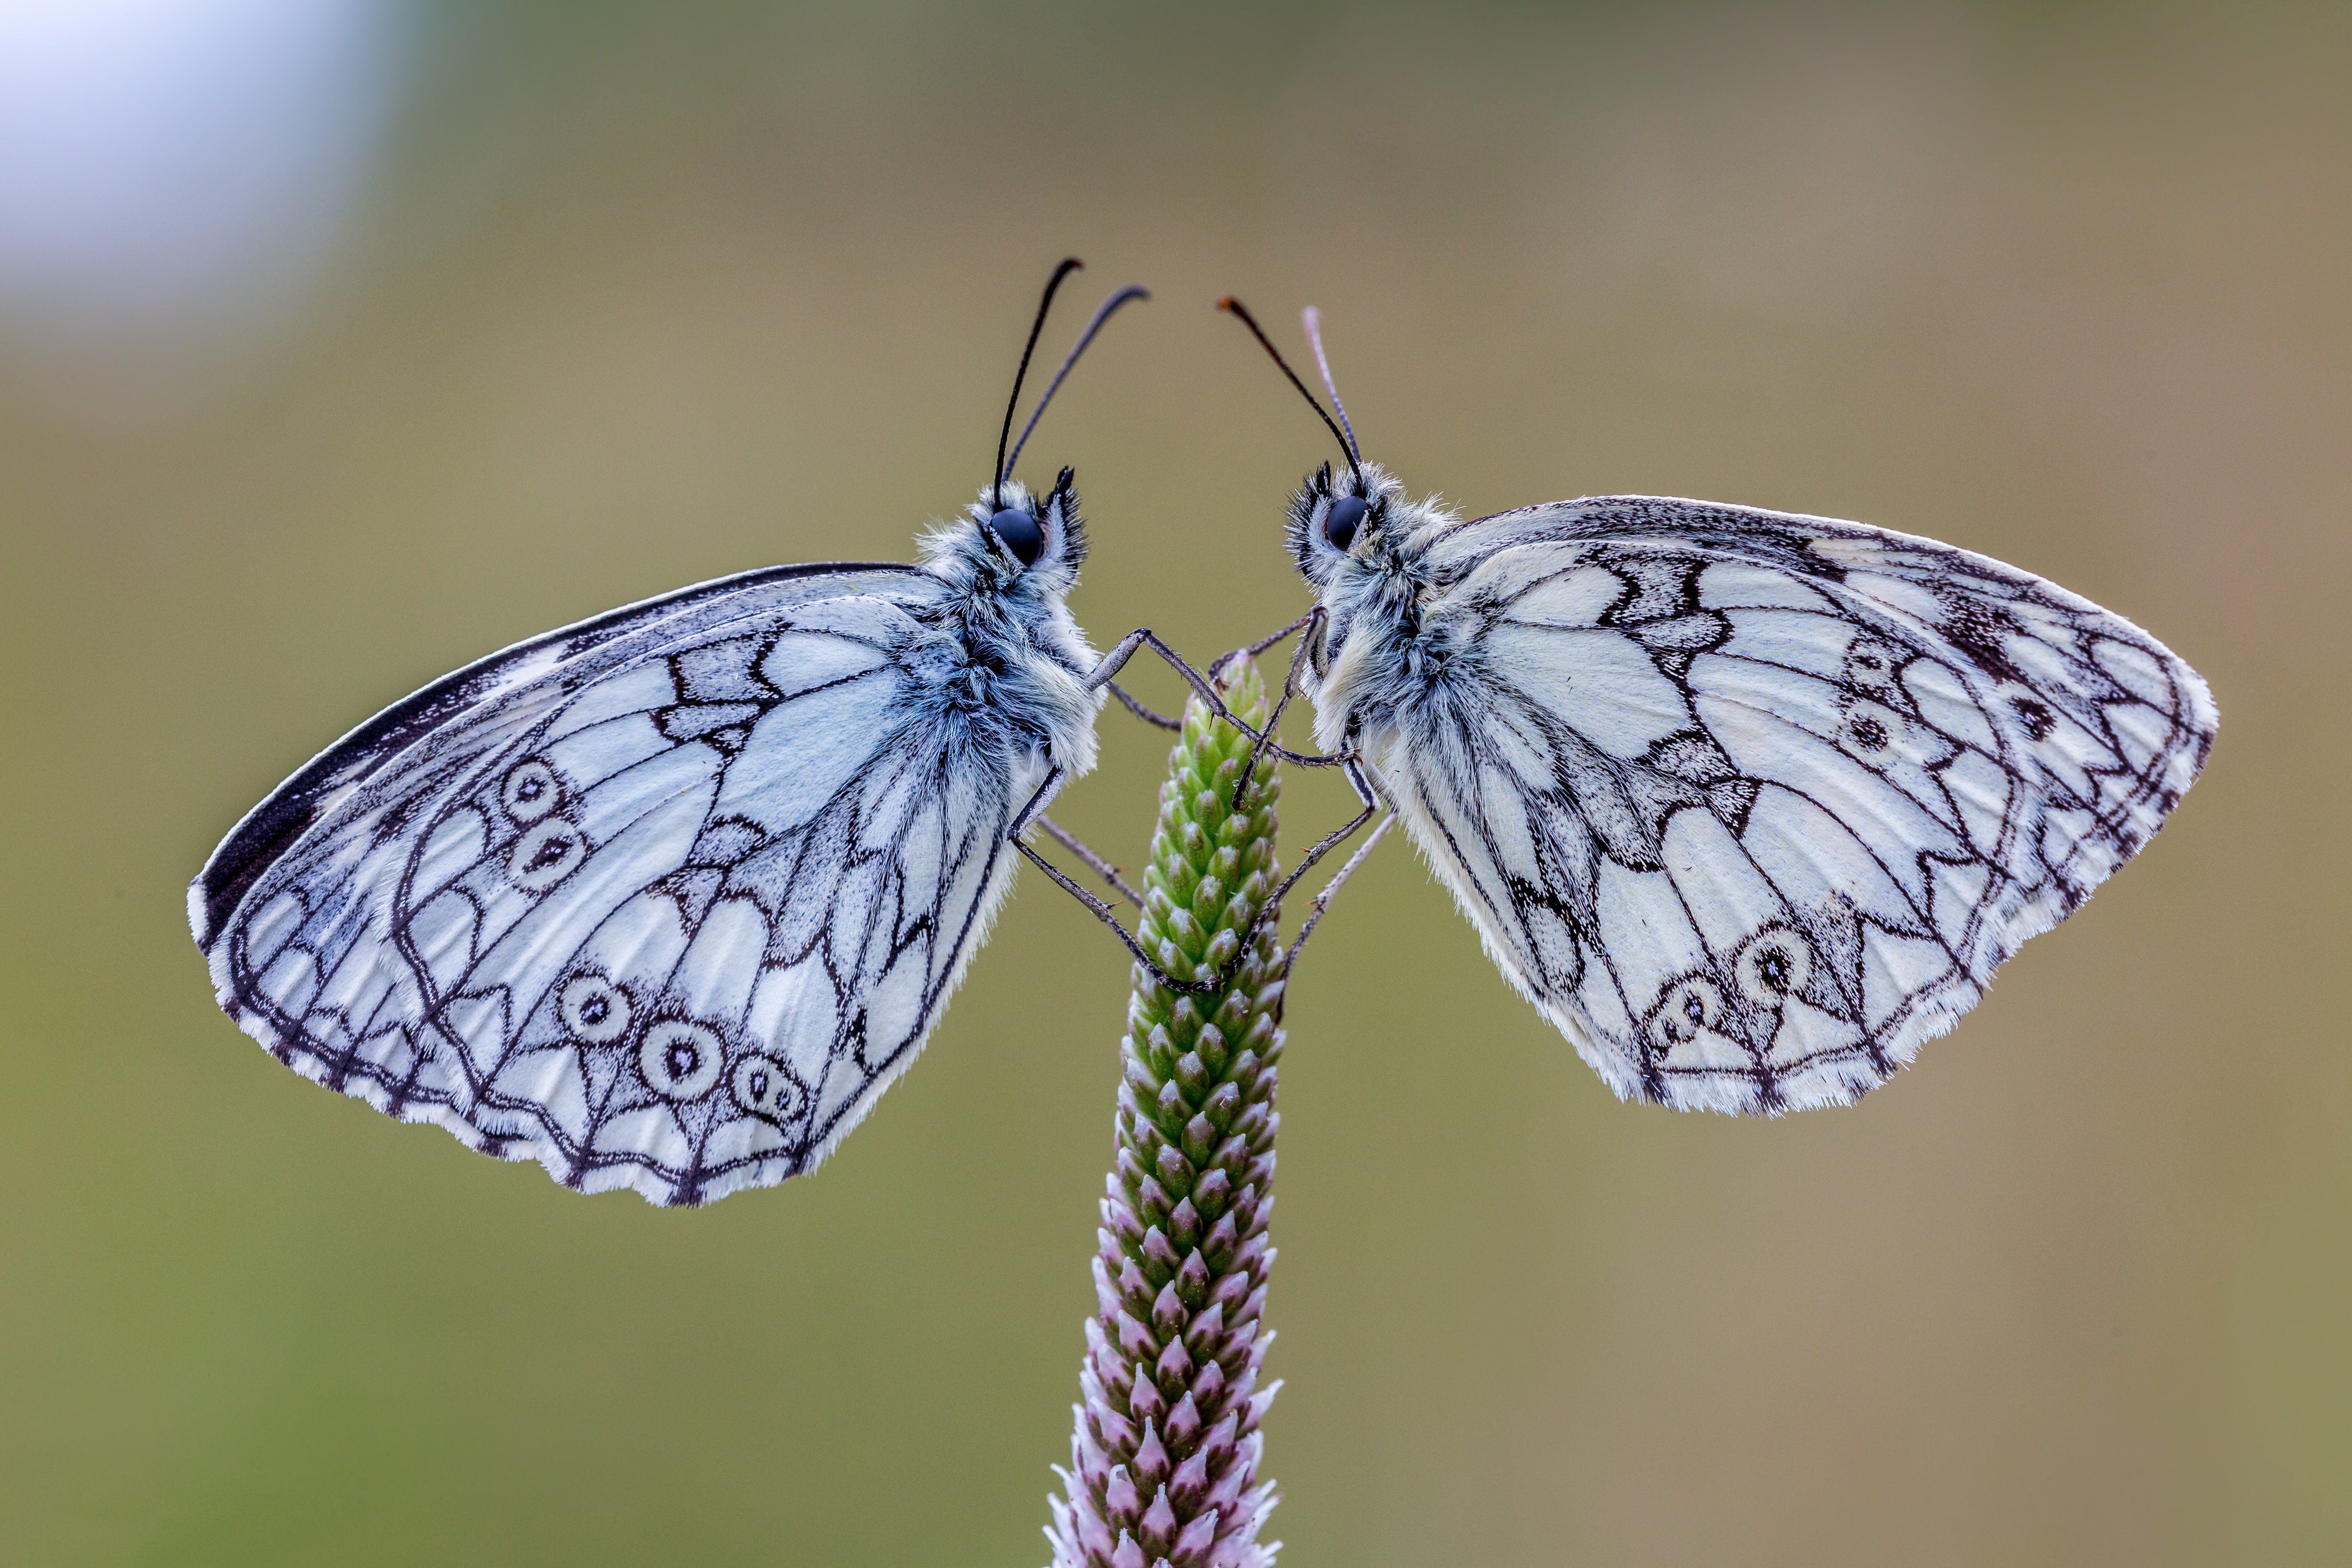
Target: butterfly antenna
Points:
(1235, 306)
(1102, 313)
(1312, 319)
(1070, 264)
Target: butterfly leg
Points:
(1142, 637)
(1350, 763)
(1369, 775)
(1095, 863)
(1102, 911)
(1262, 643)
(1258, 744)
(1148, 715)
(1322, 901)
(1369, 789)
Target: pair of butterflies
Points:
(1751, 805)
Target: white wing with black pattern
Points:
(1751, 804)
(663, 901)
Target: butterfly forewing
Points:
(274, 826)
(663, 901)
(1752, 803)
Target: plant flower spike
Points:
(1164, 1460)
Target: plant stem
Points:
(1166, 1452)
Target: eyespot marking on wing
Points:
(595, 1011)
(1908, 760)
(681, 1059)
(568, 923)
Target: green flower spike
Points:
(1164, 1461)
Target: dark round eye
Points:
(1020, 534)
(1341, 523)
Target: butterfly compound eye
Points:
(1340, 523)
(1020, 534)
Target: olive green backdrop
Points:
(636, 298)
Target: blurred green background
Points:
(545, 308)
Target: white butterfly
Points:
(1751, 805)
(666, 898)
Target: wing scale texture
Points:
(1751, 804)
(663, 900)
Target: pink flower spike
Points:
(1171, 1397)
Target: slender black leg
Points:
(1148, 715)
(1095, 863)
(1274, 719)
(1369, 786)
(1038, 804)
(1142, 637)
(1372, 775)
(1322, 901)
(1371, 795)
(1262, 643)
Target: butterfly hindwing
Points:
(1753, 803)
(664, 901)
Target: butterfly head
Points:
(1336, 520)
(1011, 541)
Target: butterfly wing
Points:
(663, 901)
(1751, 804)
